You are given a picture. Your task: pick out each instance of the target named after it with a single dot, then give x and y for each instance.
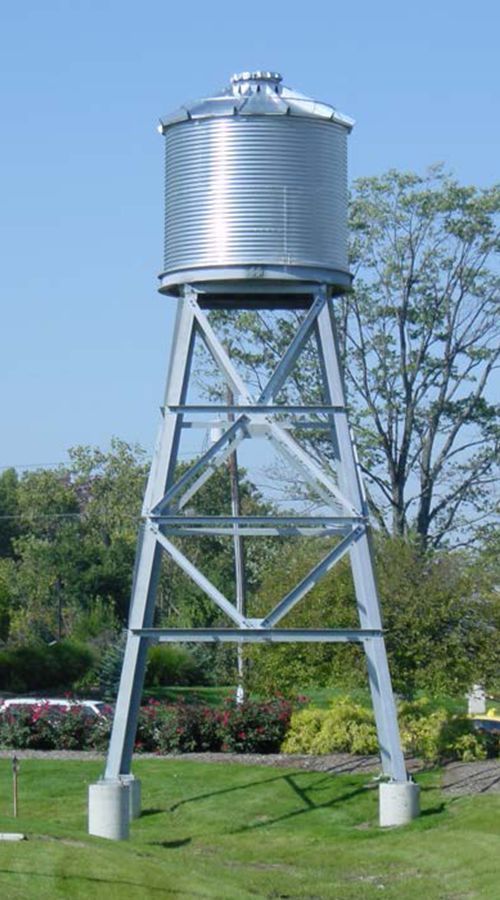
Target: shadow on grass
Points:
(304, 795)
(154, 811)
(171, 845)
(57, 877)
(309, 805)
(219, 793)
(433, 810)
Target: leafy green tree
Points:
(72, 560)
(441, 615)
(8, 511)
(420, 341)
(291, 667)
(45, 549)
(76, 544)
(7, 574)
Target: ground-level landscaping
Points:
(235, 832)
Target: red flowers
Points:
(248, 727)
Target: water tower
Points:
(255, 217)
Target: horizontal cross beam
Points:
(256, 531)
(257, 635)
(317, 409)
(303, 521)
(309, 424)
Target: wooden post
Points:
(15, 770)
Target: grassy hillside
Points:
(235, 832)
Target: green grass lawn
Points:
(236, 832)
(321, 697)
(212, 696)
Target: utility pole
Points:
(58, 590)
(239, 556)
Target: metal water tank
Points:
(256, 188)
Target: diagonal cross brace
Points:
(190, 569)
(293, 350)
(311, 579)
(218, 453)
(208, 457)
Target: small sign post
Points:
(15, 770)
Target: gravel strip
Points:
(480, 777)
(339, 763)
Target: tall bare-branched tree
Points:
(420, 338)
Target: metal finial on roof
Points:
(256, 76)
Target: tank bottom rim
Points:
(253, 279)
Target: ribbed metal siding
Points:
(255, 191)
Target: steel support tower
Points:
(166, 513)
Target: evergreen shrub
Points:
(32, 667)
(173, 665)
(432, 735)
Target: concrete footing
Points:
(134, 795)
(399, 803)
(109, 810)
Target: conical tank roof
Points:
(256, 94)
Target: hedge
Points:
(39, 666)
(250, 727)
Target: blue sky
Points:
(85, 337)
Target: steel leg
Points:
(148, 557)
(362, 565)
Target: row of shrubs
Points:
(251, 727)
(39, 666)
(431, 734)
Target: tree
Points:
(420, 341)
(70, 567)
(421, 337)
(441, 615)
(8, 511)
(75, 547)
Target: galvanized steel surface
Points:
(255, 186)
(256, 93)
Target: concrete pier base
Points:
(109, 810)
(134, 795)
(399, 803)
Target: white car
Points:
(93, 707)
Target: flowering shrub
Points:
(44, 727)
(249, 727)
(252, 727)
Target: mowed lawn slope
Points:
(236, 832)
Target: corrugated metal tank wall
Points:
(249, 191)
